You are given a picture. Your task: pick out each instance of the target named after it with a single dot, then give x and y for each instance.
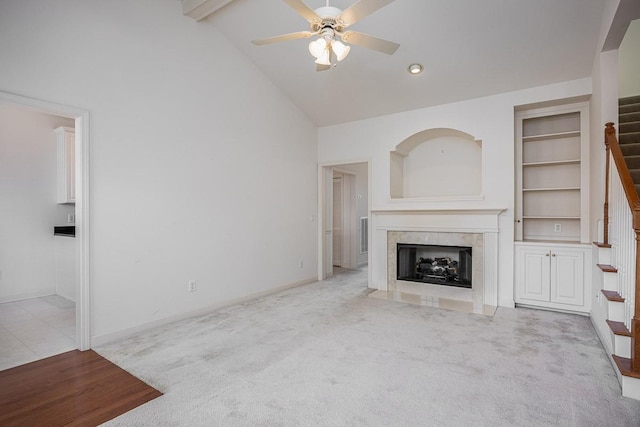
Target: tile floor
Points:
(36, 328)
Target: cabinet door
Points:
(567, 277)
(533, 276)
(66, 141)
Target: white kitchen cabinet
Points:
(66, 142)
(553, 276)
(65, 254)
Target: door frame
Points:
(82, 239)
(325, 212)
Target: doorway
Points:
(343, 205)
(80, 249)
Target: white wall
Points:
(629, 61)
(28, 208)
(200, 168)
(489, 119)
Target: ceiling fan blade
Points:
(305, 11)
(321, 67)
(284, 37)
(370, 42)
(360, 9)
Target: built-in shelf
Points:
(552, 173)
(550, 217)
(552, 189)
(547, 136)
(552, 163)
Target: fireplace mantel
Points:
(458, 220)
(482, 222)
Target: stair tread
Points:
(624, 366)
(607, 268)
(612, 296)
(602, 245)
(618, 328)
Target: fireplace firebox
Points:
(435, 264)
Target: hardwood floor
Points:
(74, 388)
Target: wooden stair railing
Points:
(611, 143)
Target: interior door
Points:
(337, 221)
(327, 223)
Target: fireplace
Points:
(473, 228)
(435, 264)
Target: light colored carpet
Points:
(325, 354)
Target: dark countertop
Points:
(65, 230)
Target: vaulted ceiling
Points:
(469, 49)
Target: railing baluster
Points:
(622, 207)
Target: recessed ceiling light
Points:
(415, 69)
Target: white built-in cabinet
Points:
(66, 141)
(552, 206)
(552, 276)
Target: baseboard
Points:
(508, 303)
(557, 310)
(603, 341)
(99, 340)
(35, 294)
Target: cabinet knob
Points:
(518, 221)
(547, 254)
(553, 254)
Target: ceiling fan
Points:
(329, 23)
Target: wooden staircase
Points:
(617, 316)
(629, 136)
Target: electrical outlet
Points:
(192, 286)
(70, 218)
(557, 228)
(301, 264)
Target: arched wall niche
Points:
(436, 163)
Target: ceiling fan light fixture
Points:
(415, 68)
(340, 49)
(318, 47)
(324, 58)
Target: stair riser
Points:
(635, 175)
(635, 99)
(610, 282)
(621, 345)
(630, 149)
(629, 138)
(628, 108)
(615, 311)
(629, 117)
(604, 255)
(633, 162)
(630, 387)
(629, 127)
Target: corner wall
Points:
(489, 119)
(200, 168)
(629, 64)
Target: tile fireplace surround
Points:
(477, 229)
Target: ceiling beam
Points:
(200, 9)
